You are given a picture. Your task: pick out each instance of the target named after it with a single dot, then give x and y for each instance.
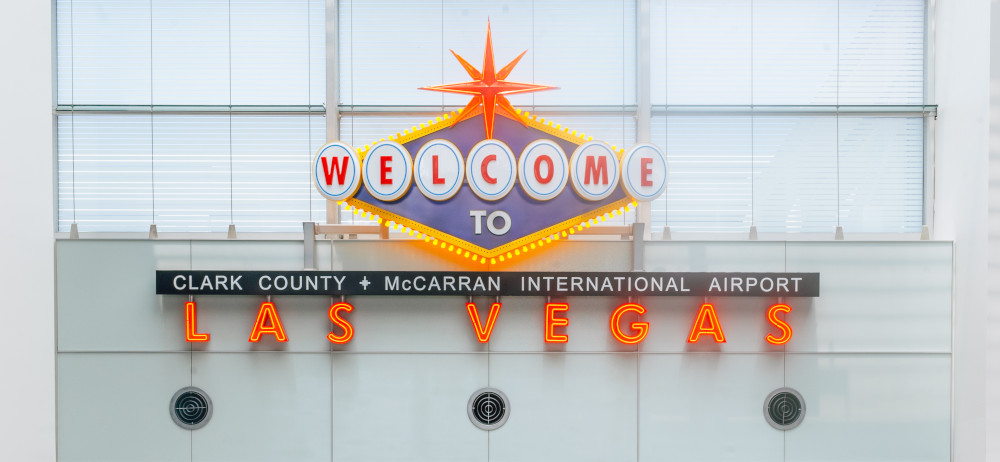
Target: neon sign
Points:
(489, 183)
(556, 316)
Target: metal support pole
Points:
(308, 245)
(638, 247)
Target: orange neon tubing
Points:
(268, 322)
(786, 330)
(641, 328)
(483, 332)
(340, 322)
(551, 322)
(191, 324)
(706, 314)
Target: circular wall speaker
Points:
(191, 408)
(784, 408)
(488, 408)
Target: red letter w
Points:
(332, 167)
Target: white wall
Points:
(871, 357)
(962, 52)
(993, 315)
(27, 356)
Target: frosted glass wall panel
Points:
(268, 406)
(122, 167)
(698, 256)
(795, 174)
(871, 407)
(578, 407)
(407, 407)
(245, 255)
(701, 52)
(130, 316)
(710, 184)
(874, 296)
(881, 168)
(388, 49)
(115, 406)
(699, 409)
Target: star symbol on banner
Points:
(364, 282)
(488, 87)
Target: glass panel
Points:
(105, 172)
(272, 183)
(193, 172)
(794, 52)
(108, 60)
(881, 174)
(871, 407)
(388, 49)
(795, 181)
(587, 50)
(118, 157)
(710, 185)
(191, 52)
(272, 45)
(704, 56)
(881, 52)
(116, 52)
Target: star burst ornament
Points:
(488, 87)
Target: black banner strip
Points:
(486, 283)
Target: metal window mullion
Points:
(643, 96)
(332, 88)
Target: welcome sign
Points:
(491, 182)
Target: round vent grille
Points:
(191, 408)
(489, 408)
(784, 408)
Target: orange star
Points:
(489, 87)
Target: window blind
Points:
(787, 52)
(146, 94)
(742, 94)
(791, 174)
(180, 172)
(390, 48)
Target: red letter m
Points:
(330, 168)
(591, 168)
